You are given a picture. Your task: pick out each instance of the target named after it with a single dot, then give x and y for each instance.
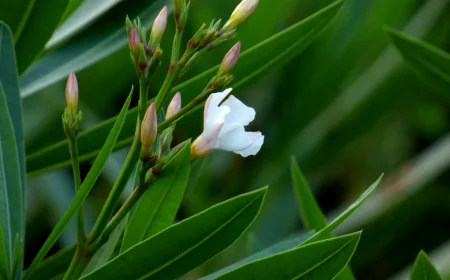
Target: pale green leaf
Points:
(424, 269)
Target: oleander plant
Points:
(182, 178)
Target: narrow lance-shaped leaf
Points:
(36, 28)
(272, 250)
(4, 263)
(326, 231)
(319, 260)
(11, 198)
(158, 206)
(429, 62)
(85, 188)
(192, 242)
(424, 269)
(54, 265)
(266, 56)
(312, 216)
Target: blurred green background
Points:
(347, 108)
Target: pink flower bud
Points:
(134, 42)
(149, 128)
(241, 13)
(159, 26)
(174, 106)
(72, 92)
(230, 59)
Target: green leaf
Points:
(424, 269)
(85, 188)
(11, 196)
(36, 28)
(312, 216)
(319, 260)
(266, 56)
(326, 231)
(54, 265)
(429, 62)
(185, 245)
(4, 263)
(105, 38)
(71, 7)
(14, 12)
(105, 253)
(272, 250)
(158, 206)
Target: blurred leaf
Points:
(96, 43)
(430, 62)
(158, 206)
(272, 250)
(36, 28)
(326, 231)
(319, 260)
(14, 12)
(4, 263)
(11, 196)
(260, 57)
(85, 188)
(17, 258)
(312, 216)
(105, 253)
(192, 242)
(54, 265)
(10, 82)
(310, 212)
(423, 269)
(71, 7)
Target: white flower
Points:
(223, 127)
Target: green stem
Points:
(79, 262)
(126, 172)
(126, 207)
(176, 46)
(73, 148)
(172, 74)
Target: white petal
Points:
(233, 137)
(214, 116)
(258, 140)
(240, 112)
(213, 101)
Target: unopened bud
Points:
(149, 130)
(240, 14)
(128, 24)
(72, 92)
(230, 59)
(134, 42)
(174, 106)
(159, 26)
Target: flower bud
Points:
(149, 130)
(174, 106)
(128, 24)
(159, 26)
(230, 59)
(240, 14)
(134, 42)
(72, 92)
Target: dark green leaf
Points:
(41, 20)
(319, 260)
(85, 188)
(424, 269)
(11, 196)
(105, 38)
(272, 250)
(158, 206)
(184, 246)
(54, 265)
(312, 216)
(4, 263)
(71, 7)
(431, 63)
(266, 57)
(12, 12)
(326, 231)
(105, 253)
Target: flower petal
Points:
(233, 137)
(258, 140)
(213, 101)
(214, 116)
(240, 112)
